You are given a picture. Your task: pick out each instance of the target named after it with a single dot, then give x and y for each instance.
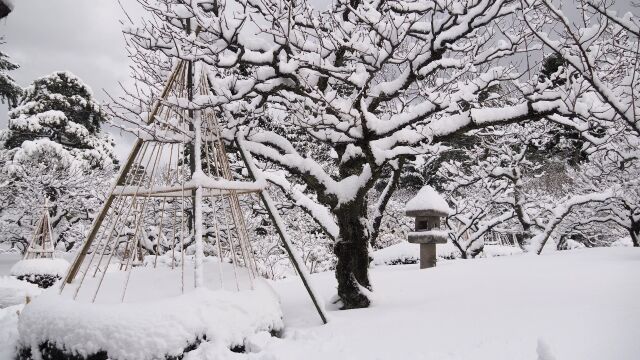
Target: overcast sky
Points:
(82, 36)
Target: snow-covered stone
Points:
(427, 203)
(428, 237)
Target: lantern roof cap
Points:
(428, 202)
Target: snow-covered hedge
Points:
(42, 272)
(160, 329)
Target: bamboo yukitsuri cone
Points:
(180, 167)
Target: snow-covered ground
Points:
(576, 305)
(570, 305)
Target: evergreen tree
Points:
(61, 108)
(9, 91)
(53, 149)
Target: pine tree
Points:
(9, 91)
(61, 108)
(53, 149)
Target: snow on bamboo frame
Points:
(176, 192)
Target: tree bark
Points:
(352, 270)
(635, 234)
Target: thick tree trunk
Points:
(635, 235)
(352, 270)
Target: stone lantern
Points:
(428, 207)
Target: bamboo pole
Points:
(73, 270)
(282, 232)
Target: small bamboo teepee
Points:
(176, 197)
(41, 245)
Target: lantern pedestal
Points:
(428, 240)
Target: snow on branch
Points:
(561, 211)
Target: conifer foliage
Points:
(9, 90)
(61, 108)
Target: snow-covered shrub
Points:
(43, 168)
(623, 242)
(42, 272)
(55, 327)
(397, 254)
(500, 250)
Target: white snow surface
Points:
(564, 305)
(428, 199)
(9, 331)
(14, 291)
(150, 330)
(572, 305)
(42, 266)
(500, 250)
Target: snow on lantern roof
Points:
(427, 203)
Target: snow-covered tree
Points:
(599, 60)
(60, 107)
(338, 98)
(53, 149)
(39, 170)
(9, 90)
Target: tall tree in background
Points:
(61, 108)
(9, 91)
(599, 56)
(53, 149)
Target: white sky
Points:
(81, 36)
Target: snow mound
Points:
(9, 331)
(501, 250)
(408, 253)
(428, 199)
(623, 242)
(14, 292)
(400, 253)
(150, 330)
(54, 267)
